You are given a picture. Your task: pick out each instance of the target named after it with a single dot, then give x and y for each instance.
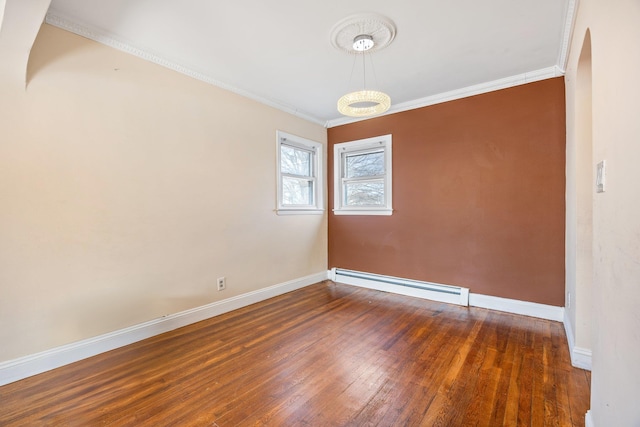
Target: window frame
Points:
(316, 177)
(367, 145)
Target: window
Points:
(299, 175)
(362, 177)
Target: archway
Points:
(585, 188)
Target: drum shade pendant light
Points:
(366, 33)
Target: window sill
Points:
(299, 211)
(386, 212)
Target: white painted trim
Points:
(56, 19)
(580, 357)
(103, 37)
(300, 211)
(588, 420)
(526, 308)
(408, 289)
(316, 150)
(542, 311)
(23, 367)
(361, 146)
(507, 82)
(381, 212)
(568, 329)
(567, 34)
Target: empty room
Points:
(288, 213)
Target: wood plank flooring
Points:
(326, 355)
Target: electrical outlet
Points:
(222, 283)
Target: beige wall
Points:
(615, 251)
(126, 189)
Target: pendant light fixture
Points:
(359, 35)
(364, 103)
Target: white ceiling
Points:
(279, 51)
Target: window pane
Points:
(295, 161)
(297, 191)
(366, 164)
(364, 193)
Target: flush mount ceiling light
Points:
(359, 35)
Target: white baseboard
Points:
(23, 367)
(580, 357)
(588, 420)
(526, 308)
(542, 311)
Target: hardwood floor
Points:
(326, 355)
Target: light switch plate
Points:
(600, 177)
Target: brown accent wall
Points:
(478, 195)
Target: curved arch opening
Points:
(585, 188)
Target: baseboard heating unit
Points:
(409, 287)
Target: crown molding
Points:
(507, 82)
(567, 34)
(56, 19)
(103, 37)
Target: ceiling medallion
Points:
(381, 29)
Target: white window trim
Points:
(359, 145)
(318, 176)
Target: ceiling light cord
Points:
(353, 68)
(364, 71)
(373, 71)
